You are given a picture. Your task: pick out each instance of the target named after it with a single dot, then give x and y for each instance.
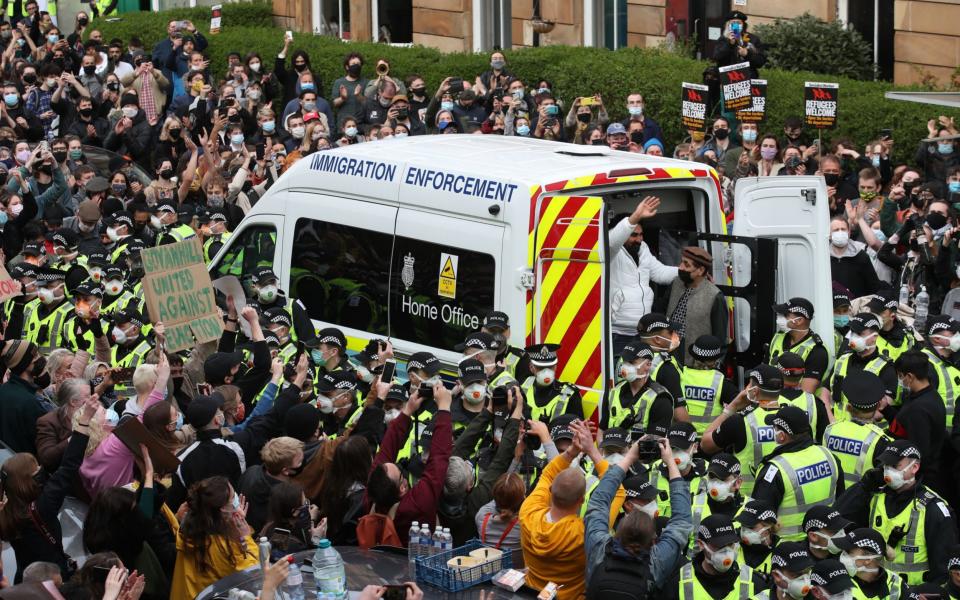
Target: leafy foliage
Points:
(806, 43)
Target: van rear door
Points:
(795, 212)
(570, 297)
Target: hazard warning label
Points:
(447, 281)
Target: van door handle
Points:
(811, 195)
(527, 280)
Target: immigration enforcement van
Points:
(416, 240)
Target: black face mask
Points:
(685, 276)
(354, 70)
(908, 186)
(89, 70)
(30, 78)
(721, 134)
(174, 134)
(45, 169)
(166, 173)
(418, 91)
(597, 142)
(113, 86)
(60, 156)
(936, 221)
(917, 202)
(583, 117)
(86, 113)
(300, 67)
(831, 179)
(636, 137)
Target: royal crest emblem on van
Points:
(406, 275)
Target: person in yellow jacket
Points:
(794, 333)
(863, 553)
(824, 525)
(213, 540)
(551, 530)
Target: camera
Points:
(649, 449)
(552, 110)
(402, 113)
(426, 391)
(793, 162)
(456, 85)
(549, 122)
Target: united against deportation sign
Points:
(179, 294)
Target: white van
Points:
(418, 239)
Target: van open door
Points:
(570, 298)
(795, 212)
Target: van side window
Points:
(253, 247)
(340, 273)
(439, 293)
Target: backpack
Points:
(375, 529)
(621, 578)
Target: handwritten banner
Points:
(9, 287)
(694, 105)
(735, 82)
(179, 294)
(820, 104)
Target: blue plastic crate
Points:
(434, 571)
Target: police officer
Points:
(705, 390)
(497, 324)
(34, 253)
(331, 351)
(546, 396)
(661, 335)
(790, 568)
(723, 483)
(97, 261)
(798, 474)
(485, 347)
(864, 333)
(166, 222)
(830, 580)
(119, 233)
(472, 392)
(857, 441)
(683, 442)
(45, 326)
(116, 295)
(423, 372)
(824, 525)
(130, 346)
(793, 369)
(943, 341)
(952, 588)
(895, 338)
(637, 400)
(266, 293)
(213, 227)
(909, 517)
(841, 318)
(741, 428)
(17, 310)
(863, 553)
(83, 328)
(758, 534)
(794, 334)
(613, 447)
(715, 571)
(66, 253)
(278, 321)
(337, 402)
(640, 495)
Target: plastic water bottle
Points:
(413, 546)
(426, 542)
(293, 586)
(904, 294)
(922, 307)
(328, 572)
(263, 548)
(447, 539)
(438, 540)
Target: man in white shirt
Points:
(632, 267)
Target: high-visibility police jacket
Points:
(105, 8)
(948, 382)
(806, 402)
(75, 340)
(637, 413)
(854, 445)
(911, 560)
(777, 346)
(809, 478)
(698, 488)
(28, 309)
(701, 391)
(133, 358)
(690, 588)
(511, 360)
(118, 302)
(502, 378)
(893, 351)
(46, 330)
(179, 233)
(418, 425)
(212, 244)
(556, 406)
(874, 366)
(894, 586)
(761, 441)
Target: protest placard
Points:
(735, 83)
(9, 287)
(178, 292)
(132, 433)
(757, 112)
(215, 19)
(694, 105)
(820, 104)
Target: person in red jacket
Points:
(387, 484)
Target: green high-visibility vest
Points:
(690, 588)
(552, 409)
(874, 366)
(802, 349)
(47, 332)
(911, 560)
(948, 381)
(893, 589)
(810, 478)
(639, 412)
(701, 390)
(853, 443)
(761, 441)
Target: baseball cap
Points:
(942, 323)
(481, 341)
(336, 381)
(723, 465)
(370, 352)
(822, 516)
(863, 537)
(88, 288)
(954, 554)
(882, 302)
(799, 306)
(651, 322)
(756, 511)
(717, 530)
(219, 364)
(496, 319)
(278, 316)
(34, 249)
(791, 419)
(615, 437)
(616, 128)
(397, 393)
(639, 487)
(706, 347)
(399, 98)
(898, 450)
(66, 238)
(861, 322)
(425, 361)
(832, 576)
(841, 299)
(471, 370)
(128, 315)
(560, 428)
(862, 389)
(791, 364)
(333, 337)
(768, 377)
(792, 556)
(682, 434)
(263, 275)
(121, 217)
(271, 339)
(202, 409)
(635, 349)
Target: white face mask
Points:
(325, 404)
(844, 595)
(365, 375)
(650, 508)
(113, 287)
(96, 274)
(719, 490)
(545, 377)
(267, 293)
(722, 559)
(829, 545)
(298, 132)
(129, 111)
(955, 343)
(850, 563)
(390, 415)
(118, 335)
(895, 478)
(48, 295)
(682, 459)
(85, 228)
(475, 393)
(782, 324)
(155, 222)
(858, 343)
(840, 238)
(753, 537)
(797, 587)
(112, 233)
(614, 458)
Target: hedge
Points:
(573, 71)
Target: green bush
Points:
(574, 72)
(806, 43)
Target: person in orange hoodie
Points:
(551, 530)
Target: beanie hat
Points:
(301, 422)
(17, 354)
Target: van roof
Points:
(532, 161)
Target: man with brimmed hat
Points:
(337, 401)
(841, 318)
(894, 338)
(20, 408)
(794, 334)
(705, 389)
(739, 46)
(278, 321)
(656, 331)
(758, 535)
(85, 224)
(741, 427)
(792, 367)
(469, 402)
(722, 484)
(863, 555)
(497, 324)
(864, 358)
(943, 335)
(696, 305)
(130, 346)
(330, 353)
(857, 441)
(824, 525)
(400, 114)
(45, 325)
(798, 474)
(921, 417)
(637, 400)
(915, 522)
(715, 569)
(830, 579)
(82, 330)
(546, 396)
